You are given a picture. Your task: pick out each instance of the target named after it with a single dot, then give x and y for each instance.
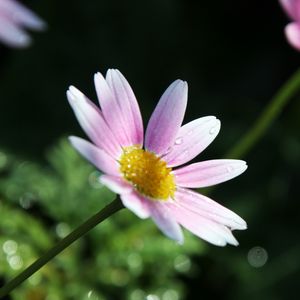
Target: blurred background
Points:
(235, 57)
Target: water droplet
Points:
(10, 247)
(168, 150)
(229, 169)
(91, 295)
(257, 257)
(190, 132)
(213, 130)
(179, 141)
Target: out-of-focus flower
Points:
(292, 30)
(148, 179)
(14, 18)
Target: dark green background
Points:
(234, 56)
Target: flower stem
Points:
(269, 114)
(106, 212)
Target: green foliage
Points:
(125, 256)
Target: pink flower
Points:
(13, 18)
(149, 180)
(292, 30)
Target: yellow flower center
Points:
(147, 173)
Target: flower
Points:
(13, 18)
(292, 30)
(148, 178)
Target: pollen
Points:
(148, 173)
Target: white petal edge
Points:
(165, 221)
(136, 203)
(116, 184)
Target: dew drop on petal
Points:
(190, 133)
(179, 141)
(213, 130)
(229, 169)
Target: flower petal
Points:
(206, 229)
(292, 32)
(210, 172)
(165, 221)
(96, 156)
(292, 8)
(129, 108)
(167, 118)
(92, 122)
(12, 35)
(19, 14)
(136, 203)
(209, 209)
(192, 139)
(116, 184)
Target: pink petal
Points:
(292, 32)
(136, 203)
(165, 221)
(116, 184)
(167, 118)
(92, 122)
(19, 14)
(192, 139)
(210, 172)
(12, 35)
(96, 156)
(292, 8)
(209, 209)
(206, 229)
(128, 105)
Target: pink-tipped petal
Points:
(128, 105)
(165, 221)
(191, 140)
(96, 156)
(116, 184)
(136, 203)
(206, 229)
(92, 122)
(19, 14)
(210, 172)
(167, 118)
(12, 35)
(292, 8)
(292, 32)
(209, 209)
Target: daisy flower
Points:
(292, 30)
(14, 17)
(145, 171)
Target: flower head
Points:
(13, 18)
(292, 30)
(146, 172)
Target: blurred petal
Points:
(129, 108)
(136, 203)
(12, 35)
(209, 209)
(292, 8)
(210, 172)
(167, 118)
(165, 221)
(19, 14)
(116, 184)
(191, 140)
(92, 122)
(292, 32)
(206, 229)
(96, 156)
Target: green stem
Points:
(106, 212)
(269, 114)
